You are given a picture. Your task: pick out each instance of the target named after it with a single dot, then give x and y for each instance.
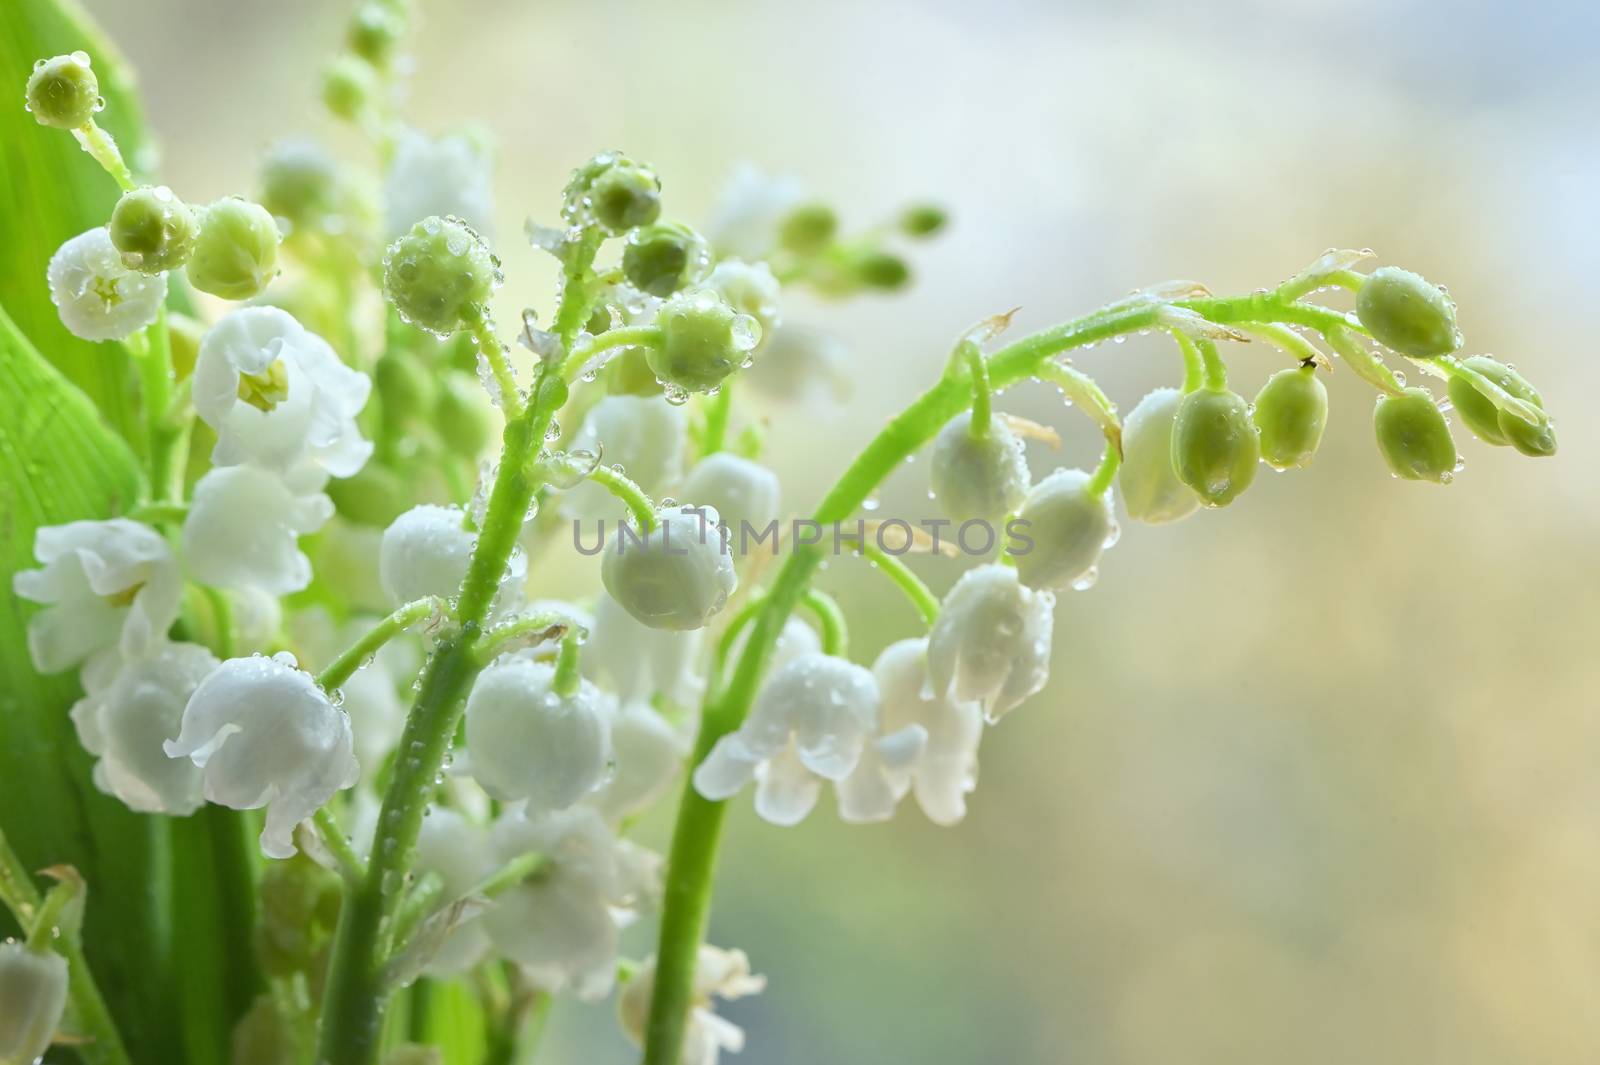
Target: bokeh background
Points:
(1315, 779)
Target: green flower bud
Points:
(703, 340)
(375, 31)
(1070, 527)
(661, 259)
(613, 191)
(375, 495)
(440, 275)
(629, 374)
(348, 86)
(153, 229)
(1149, 485)
(405, 386)
(923, 220)
(1492, 425)
(236, 252)
(808, 228)
(1406, 313)
(1291, 411)
(463, 415)
(1414, 437)
(1214, 445)
(977, 476)
(300, 183)
(63, 91)
(880, 270)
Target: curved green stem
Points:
(978, 372)
(1214, 374)
(718, 411)
(622, 337)
(1368, 366)
(102, 147)
(835, 634)
(625, 489)
(891, 566)
(338, 844)
(1194, 367)
(1286, 339)
(529, 628)
(1106, 472)
(567, 678)
(497, 359)
(353, 657)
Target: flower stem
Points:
(356, 655)
(623, 337)
(494, 356)
(835, 635)
(979, 373)
(926, 603)
(714, 438)
(338, 844)
(625, 489)
(102, 147)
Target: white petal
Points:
(425, 551)
(98, 297)
(785, 790)
(243, 530)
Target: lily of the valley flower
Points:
(458, 851)
(529, 742)
(946, 768)
(741, 491)
(103, 584)
(445, 176)
(636, 662)
(131, 709)
(243, 530)
(718, 973)
(811, 722)
(277, 395)
(992, 640)
(96, 294)
(561, 924)
(750, 210)
(649, 752)
(266, 735)
(425, 551)
(33, 997)
(678, 576)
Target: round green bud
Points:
(153, 229)
(1407, 313)
(63, 91)
(1291, 411)
(347, 87)
(440, 275)
(625, 197)
(923, 220)
(661, 259)
(629, 374)
(404, 385)
(977, 476)
(1214, 445)
(880, 270)
(1414, 437)
(300, 183)
(808, 228)
(703, 340)
(375, 31)
(463, 415)
(1494, 426)
(236, 251)
(375, 495)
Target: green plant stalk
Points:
(920, 597)
(357, 991)
(629, 493)
(691, 860)
(835, 634)
(716, 427)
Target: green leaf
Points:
(51, 191)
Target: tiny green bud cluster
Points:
(63, 91)
(1491, 424)
(235, 253)
(153, 229)
(440, 275)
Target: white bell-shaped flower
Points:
(33, 997)
(750, 210)
(426, 551)
(1070, 527)
(636, 663)
(561, 925)
(744, 494)
(678, 576)
(718, 973)
(277, 395)
(266, 735)
(528, 742)
(749, 288)
(459, 852)
(130, 710)
(811, 722)
(1150, 488)
(644, 436)
(103, 584)
(445, 176)
(992, 640)
(243, 530)
(96, 294)
(977, 477)
(800, 364)
(947, 768)
(883, 776)
(649, 753)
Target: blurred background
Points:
(1315, 778)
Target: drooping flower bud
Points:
(1492, 425)
(1414, 437)
(33, 997)
(991, 643)
(977, 477)
(1407, 313)
(661, 259)
(440, 275)
(1150, 487)
(529, 742)
(703, 340)
(739, 490)
(649, 753)
(425, 551)
(153, 229)
(948, 766)
(1214, 445)
(1291, 411)
(63, 91)
(678, 576)
(625, 197)
(96, 294)
(236, 252)
(266, 735)
(1070, 527)
(638, 663)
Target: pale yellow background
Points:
(1315, 781)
